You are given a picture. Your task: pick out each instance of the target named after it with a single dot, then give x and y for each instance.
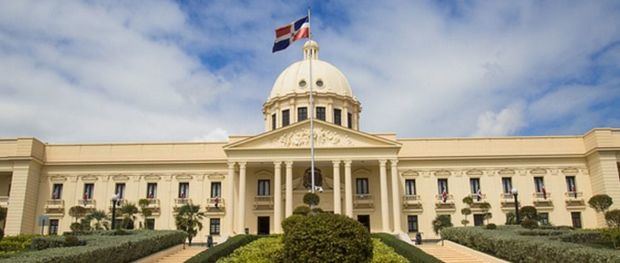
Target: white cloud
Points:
(505, 122)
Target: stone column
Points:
(348, 192)
(277, 202)
(337, 203)
(385, 210)
(396, 196)
(241, 201)
(21, 213)
(228, 200)
(289, 189)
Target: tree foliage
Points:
(128, 211)
(189, 219)
(3, 212)
(441, 222)
(77, 212)
(529, 212)
(311, 199)
(613, 218)
(468, 200)
(100, 219)
(600, 203)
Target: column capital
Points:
(277, 163)
(336, 163)
(231, 165)
(242, 164)
(289, 163)
(347, 163)
(394, 162)
(382, 162)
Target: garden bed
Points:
(101, 247)
(517, 244)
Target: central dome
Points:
(325, 77)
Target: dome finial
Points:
(311, 50)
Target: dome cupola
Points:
(288, 101)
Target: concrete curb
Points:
(481, 255)
(161, 254)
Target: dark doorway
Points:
(478, 219)
(263, 225)
(365, 220)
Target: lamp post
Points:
(515, 193)
(114, 201)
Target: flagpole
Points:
(312, 110)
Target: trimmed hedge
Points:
(411, 253)
(264, 250)
(222, 250)
(506, 243)
(104, 248)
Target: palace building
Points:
(251, 183)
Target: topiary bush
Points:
(311, 199)
(529, 223)
(327, 238)
(264, 250)
(491, 226)
(291, 222)
(613, 218)
(528, 212)
(600, 203)
(302, 210)
(441, 222)
(410, 252)
(385, 254)
(222, 250)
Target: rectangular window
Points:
(412, 223)
(507, 185)
(150, 223)
(338, 116)
(216, 189)
(214, 226)
(119, 190)
(320, 113)
(183, 190)
(151, 190)
(57, 191)
(410, 187)
(89, 190)
(442, 186)
(53, 229)
(263, 188)
(302, 113)
(539, 184)
(474, 185)
(576, 217)
(273, 121)
(571, 185)
(350, 120)
(286, 118)
(543, 218)
(361, 186)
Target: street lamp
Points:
(114, 202)
(515, 193)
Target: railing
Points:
(4, 201)
(543, 196)
(55, 203)
(87, 202)
(363, 201)
(153, 202)
(412, 202)
(475, 197)
(507, 197)
(449, 198)
(362, 197)
(574, 195)
(215, 202)
(263, 202)
(411, 198)
(182, 201)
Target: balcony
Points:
(412, 203)
(574, 200)
(55, 207)
(4, 201)
(542, 201)
(119, 203)
(88, 203)
(363, 201)
(444, 206)
(263, 202)
(478, 201)
(153, 204)
(215, 205)
(507, 201)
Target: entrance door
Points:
(365, 220)
(263, 225)
(478, 219)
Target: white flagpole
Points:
(310, 55)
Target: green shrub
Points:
(541, 232)
(290, 222)
(441, 222)
(222, 250)
(72, 241)
(327, 237)
(317, 210)
(528, 212)
(410, 252)
(75, 227)
(613, 218)
(105, 248)
(600, 203)
(264, 250)
(505, 243)
(311, 199)
(1, 233)
(583, 237)
(40, 243)
(382, 253)
(301, 210)
(612, 235)
(529, 223)
(491, 226)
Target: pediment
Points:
(326, 135)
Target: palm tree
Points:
(100, 219)
(77, 212)
(128, 211)
(144, 209)
(189, 220)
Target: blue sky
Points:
(81, 71)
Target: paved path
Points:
(182, 255)
(450, 255)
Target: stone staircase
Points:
(450, 255)
(182, 255)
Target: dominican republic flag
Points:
(290, 33)
(479, 195)
(444, 196)
(544, 192)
